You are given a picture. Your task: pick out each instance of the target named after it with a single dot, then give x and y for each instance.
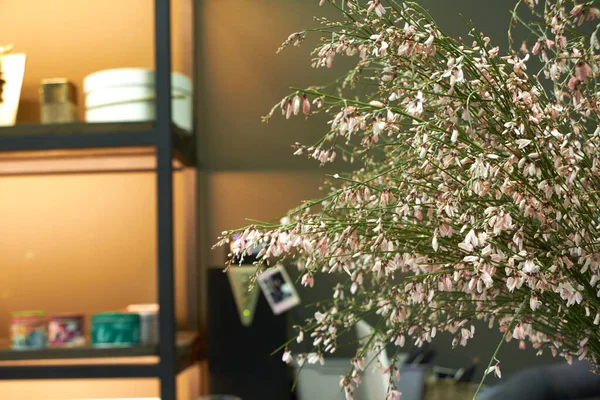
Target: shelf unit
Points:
(117, 147)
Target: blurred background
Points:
(246, 171)
(249, 166)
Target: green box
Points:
(115, 329)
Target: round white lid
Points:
(131, 77)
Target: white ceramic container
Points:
(127, 95)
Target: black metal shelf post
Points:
(164, 174)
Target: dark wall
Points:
(239, 357)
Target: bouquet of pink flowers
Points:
(476, 188)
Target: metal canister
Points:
(59, 101)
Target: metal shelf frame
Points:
(72, 138)
(84, 372)
(164, 138)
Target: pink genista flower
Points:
(511, 283)
(289, 109)
(534, 303)
(349, 394)
(445, 284)
(495, 369)
(523, 48)
(493, 52)
(377, 6)
(454, 71)
(287, 357)
(378, 127)
(593, 13)
(356, 378)
(308, 280)
(400, 340)
(314, 358)
(305, 105)
(530, 267)
(434, 243)
(359, 363)
(415, 107)
(518, 64)
(568, 292)
(393, 395)
(519, 331)
(429, 42)
(296, 103)
(320, 317)
(466, 334)
(583, 71)
(522, 345)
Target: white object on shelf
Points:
(375, 380)
(127, 94)
(148, 322)
(13, 70)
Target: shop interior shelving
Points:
(85, 362)
(88, 147)
(157, 146)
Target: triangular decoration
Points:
(245, 301)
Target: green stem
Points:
(508, 329)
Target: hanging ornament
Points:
(245, 300)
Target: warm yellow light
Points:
(246, 313)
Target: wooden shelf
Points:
(85, 148)
(99, 362)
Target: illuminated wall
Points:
(83, 243)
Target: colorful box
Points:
(28, 330)
(66, 330)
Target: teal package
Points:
(115, 329)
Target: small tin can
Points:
(59, 101)
(66, 330)
(115, 329)
(28, 330)
(148, 321)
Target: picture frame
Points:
(278, 289)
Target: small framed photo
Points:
(279, 289)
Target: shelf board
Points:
(88, 147)
(91, 362)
